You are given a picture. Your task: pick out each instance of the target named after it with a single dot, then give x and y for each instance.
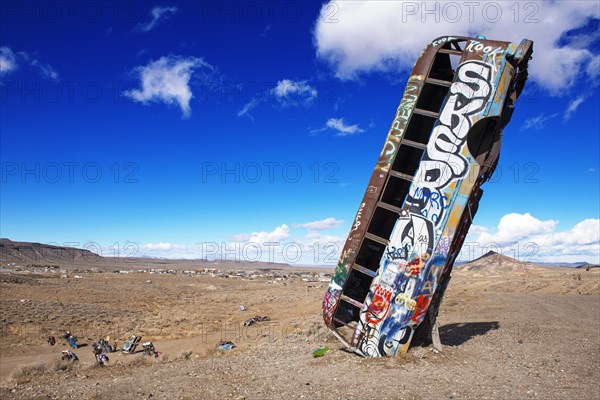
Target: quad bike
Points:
(149, 349)
(69, 355)
(101, 360)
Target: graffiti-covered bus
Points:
(444, 142)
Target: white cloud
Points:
(168, 250)
(476, 230)
(527, 238)
(342, 128)
(158, 14)
(278, 234)
(248, 107)
(45, 69)
(294, 93)
(593, 68)
(515, 227)
(363, 36)
(538, 122)
(162, 246)
(8, 61)
(327, 223)
(167, 80)
(572, 107)
(287, 93)
(278, 245)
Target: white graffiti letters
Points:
(358, 216)
(478, 46)
(468, 95)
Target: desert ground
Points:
(512, 333)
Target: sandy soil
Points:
(532, 334)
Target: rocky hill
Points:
(493, 262)
(43, 254)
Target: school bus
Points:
(443, 144)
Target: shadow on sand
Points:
(457, 334)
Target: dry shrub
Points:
(25, 373)
(186, 355)
(139, 361)
(62, 365)
(94, 396)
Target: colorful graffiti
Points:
(443, 161)
(379, 306)
(403, 113)
(412, 231)
(414, 260)
(417, 232)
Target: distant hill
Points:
(588, 266)
(28, 254)
(495, 263)
(39, 253)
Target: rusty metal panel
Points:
(442, 145)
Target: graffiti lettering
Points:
(442, 161)
(401, 253)
(390, 270)
(416, 266)
(409, 253)
(474, 45)
(443, 246)
(379, 306)
(427, 287)
(403, 113)
(442, 40)
(420, 308)
(430, 204)
(358, 215)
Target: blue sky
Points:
(191, 129)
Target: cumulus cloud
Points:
(363, 36)
(515, 227)
(327, 223)
(278, 234)
(528, 238)
(167, 80)
(8, 61)
(157, 14)
(294, 93)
